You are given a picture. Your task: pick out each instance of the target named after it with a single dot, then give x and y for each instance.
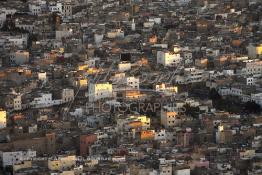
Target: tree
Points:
(252, 107)
(191, 111)
(214, 95)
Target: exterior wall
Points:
(183, 172)
(254, 51)
(20, 40)
(236, 91)
(51, 143)
(253, 68)
(67, 9)
(59, 34)
(62, 163)
(56, 8)
(122, 67)
(82, 83)
(194, 75)
(11, 158)
(35, 9)
(168, 59)
(101, 135)
(230, 91)
(3, 13)
(100, 91)
(27, 27)
(257, 98)
(42, 76)
(183, 2)
(147, 135)
(168, 119)
(41, 145)
(165, 169)
(19, 57)
(18, 103)
(250, 81)
(2, 19)
(184, 139)
(67, 95)
(23, 165)
(163, 88)
(133, 82)
(115, 34)
(44, 100)
(2, 119)
(32, 129)
(85, 142)
(161, 135)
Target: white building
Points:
(32, 129)
(194, 75)
(250, 81)
(118, 33)
(168, 89)
(101, 135)
(160, 135)
(45, 100)
(132, 82)
(168, 118)
(254, 50)
(42, 76)
(19, 57)
(182, 172)
(224, 91)
(257, 98)
(167, 58)
(67, 9)
(124, 66)
(149, 24)
(17, 103)
(59, 34)
(253, 68)
(12, 158)
(2, 119)
(165, 169)
(183, 2)
(100, 91)
(67, 95)
(19, 40)
(55, 7)
(127, 123)
(35, 9)
(2, 18)
(3, 13)
(98, 38)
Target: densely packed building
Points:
(131, 87)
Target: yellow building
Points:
(168, 118)
(100, 91)
(2, 119)
(259, 49)
(82, 83)
(147, 135)
(254, 50)
(62, 163)
(67, 173)
(166, 88)
(143, 120)
(93, 70)
(82, 67)
(25, 164)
